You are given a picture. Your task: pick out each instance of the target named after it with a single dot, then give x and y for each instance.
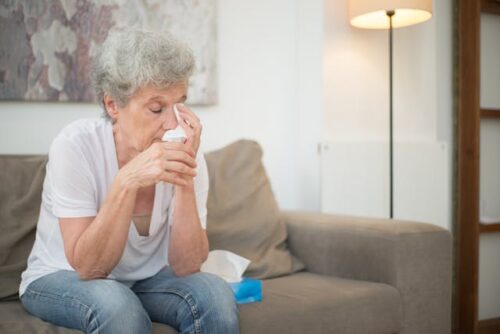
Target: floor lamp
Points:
(389, 14)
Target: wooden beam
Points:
(489, 326)
(490, 113)
(489, 228)
(467, 231)
(490, 6)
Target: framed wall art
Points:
(46, 45)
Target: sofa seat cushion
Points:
(310, 303)
(298, 303)
(14, 320)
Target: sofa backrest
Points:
(21, 180)
(243, 216)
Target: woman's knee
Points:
(116, 309)
(216, 301)
(92, 306)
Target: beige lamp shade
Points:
(371, 14)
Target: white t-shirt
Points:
(81, 168)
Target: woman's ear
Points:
(111, 107)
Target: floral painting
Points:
(46, 45)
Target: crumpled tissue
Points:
(178, 134)
(231, 267)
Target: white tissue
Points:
(176, 135)
(225, 264)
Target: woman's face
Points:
(148, 114)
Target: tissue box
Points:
(249, 290)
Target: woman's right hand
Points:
(162, 162)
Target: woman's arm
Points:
(188, 245)
(94, 245)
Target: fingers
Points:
(180, 156)
(176, 173)
(179, 168)
(173, 146)
(174, 179)
(191, 125)
(177, 158)
(190, 119)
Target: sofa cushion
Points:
(243, 216)
(14, 320)
(310, 303)
(299, 303)
(21, 178)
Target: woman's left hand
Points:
(191, 125)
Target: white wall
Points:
(356, 180)
(490, 61)
(489, 246)
(356, 78)
(270, 90)
(357, 107)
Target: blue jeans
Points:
(198, 303)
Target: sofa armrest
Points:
(415, 258)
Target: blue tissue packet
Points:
(249, 290)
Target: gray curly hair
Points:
(132, 59)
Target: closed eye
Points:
(157, 111)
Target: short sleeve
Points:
(72, 187)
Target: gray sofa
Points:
(346, 274)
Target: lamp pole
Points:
(390, 14)
(376, 15)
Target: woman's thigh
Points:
(92, 306)
(198, 303)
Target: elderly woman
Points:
(121, 233)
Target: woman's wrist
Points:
(126, 181)
(188, 188)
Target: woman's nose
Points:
(170, 121)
